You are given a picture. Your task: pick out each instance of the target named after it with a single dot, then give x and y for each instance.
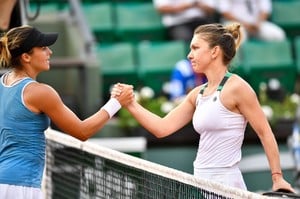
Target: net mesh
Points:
(76, 169)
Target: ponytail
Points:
(5, 55)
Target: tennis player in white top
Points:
(219, 109)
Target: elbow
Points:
(159, 136)
(162, 134)
(79, 132)
(81, 136)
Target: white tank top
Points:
(221, 133)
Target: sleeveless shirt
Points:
(22, 139)
(221, 131)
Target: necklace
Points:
(11, 79)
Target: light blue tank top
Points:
(22, 139)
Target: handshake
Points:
(123, 93)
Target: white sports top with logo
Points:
(221, 133)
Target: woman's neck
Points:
(15, 76)
(215, 77)
(19, 73)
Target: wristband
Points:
(112, 106)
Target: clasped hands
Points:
(123, 93)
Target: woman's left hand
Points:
(280, 183)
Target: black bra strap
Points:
(221, 85)
(225, 78)
(203, 88)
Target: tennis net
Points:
(85, 170)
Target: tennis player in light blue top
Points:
(26, 107)
(22, 143)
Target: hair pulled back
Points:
(9, 41)
(227, 37)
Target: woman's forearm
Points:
(150, 121)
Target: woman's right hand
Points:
(123, 93)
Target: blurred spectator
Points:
(184, 79)
(253, 15)
(181, 17)
(6, 10)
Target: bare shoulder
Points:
(237, 92)
(40, 96)
(192, 96)
(42, 90)
(239, 86)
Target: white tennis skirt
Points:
(231, 176)
(20, 192)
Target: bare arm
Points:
(251, 28)
(207, 9)
(248, 105)
(263, 16)
(173, 121)
(170, 9)
(41, 98)
(6, 8)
